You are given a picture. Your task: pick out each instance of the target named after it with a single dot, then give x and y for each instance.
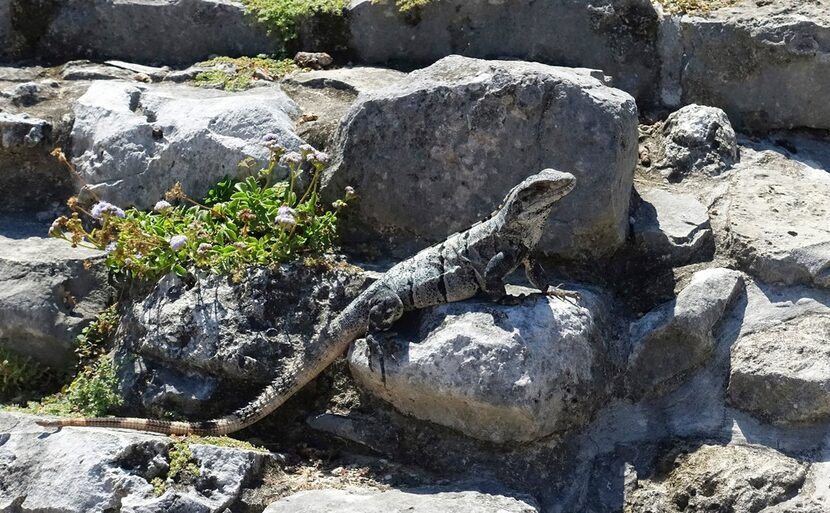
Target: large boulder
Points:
(776, 219)
(617, 36)
(495, 372)
(764, 64)
(677, 337)
(82, 470)
(207, 348)
(781, 373)
(420, 500)
(719, 479)
(438, 151)
(48, 293)
(132, 142)
(168, 31)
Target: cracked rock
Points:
(696, 140)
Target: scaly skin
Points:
(467, 263)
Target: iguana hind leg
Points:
(383, 313)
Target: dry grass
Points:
(694, 6)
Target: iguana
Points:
(467, 263)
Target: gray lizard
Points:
(467, 263)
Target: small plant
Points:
(224, 441)
(182, 467)
(94, 339)
(236, 74)
(20, 374)
(406, 5)
(93, 393)
(240, 223)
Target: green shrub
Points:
(240, 223)
(281, 17)
(94, 339)
(236, 74)
(182, 467)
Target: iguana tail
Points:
(347, 327)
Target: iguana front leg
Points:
(384, 311)
(537, 277)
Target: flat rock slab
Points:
(778, 218)
(671, 228)
(616, 36)
(438, 152)
(132, 142)
(782, 373)
(494, 372)
(720, 478)
(765, 64)
(78, 470)
(428, 500)
(47, 294)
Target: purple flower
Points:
(286, 217)
(270, 138)
(318, 156)
(103, 208)
(177, 242)
(292, 157)
(162, 206)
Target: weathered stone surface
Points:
(494, 372)
(696, 139)
(325, 97)
(86, 70)
(168, 31)
(423, 500)
(132, 142)
(82, 470)
(617, 36)
(186, 348)
(720, 479)
(778, 218)
(672, 228)
(782, 373)
(677, 337)
(47, 296)
(437, 152)
(766, 65)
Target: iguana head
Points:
(527, 206)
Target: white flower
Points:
(102, 208)
(349, 190)
(286, 217)
(292, 157)
(307, 148)
(162, 206)
(203, 248)
(177, 242)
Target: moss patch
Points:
(237, 74)
(224, 441)
(694, 6)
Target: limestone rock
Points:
(764, 64)
(77, 470)
(133, 142)
(202, 348)
(494, 372)
(438, 152)
(782, 373)
(677, 337)
(720, 479)
(47, 295)
(423, 500)
(696, 140)
(617, 36)
(778, 219)
(672, 228)
(169, 31)
(325, 97)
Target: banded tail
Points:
(348, 326)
